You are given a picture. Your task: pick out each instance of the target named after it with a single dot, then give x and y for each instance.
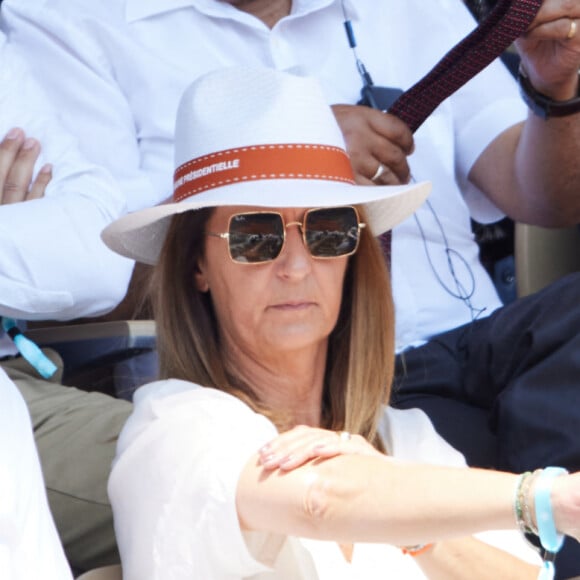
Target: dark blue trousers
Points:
(505, 390)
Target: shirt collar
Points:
(141, 9)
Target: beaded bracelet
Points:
(531, 526)
(518, 506)
(416, 550)
(522, 510)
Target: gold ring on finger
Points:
(380, 170)
(573, 28)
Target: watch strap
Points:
(544, 106)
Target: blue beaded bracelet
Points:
(550, 539)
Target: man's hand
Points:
(550, 49)
(18, 155)
(374, 138)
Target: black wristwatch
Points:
(544, 106)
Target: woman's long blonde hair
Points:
(360, 360)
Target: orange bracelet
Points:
(416, 550)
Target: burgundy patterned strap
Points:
(506, 22)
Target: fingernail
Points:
(29, 143)
(46, 168)
(269, 459)
(286, 460)
(265, 449)
(13, 133)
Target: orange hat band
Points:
(261, 162)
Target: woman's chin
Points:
(298, 337)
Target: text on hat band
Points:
(261, 162)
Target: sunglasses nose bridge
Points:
(300, 226)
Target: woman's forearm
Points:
(354, 498)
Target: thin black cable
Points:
(364, 74)
(461, 293)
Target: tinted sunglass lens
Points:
(256, 237)
(332, 232)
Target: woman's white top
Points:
(173, 488)
(29, 545)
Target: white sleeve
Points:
(53, 262)
(29, 544)
(79, 77)
(409, 435)
(173, 483)
(483, 108)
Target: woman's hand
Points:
(18, 154)
(302, 444)
(374, 139)
(550, 49)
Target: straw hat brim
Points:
(140, 235)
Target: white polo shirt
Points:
(127, 63)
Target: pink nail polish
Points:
(29, 143)
(13, 133)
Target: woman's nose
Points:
(295, 259)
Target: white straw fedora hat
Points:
(258, 137)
